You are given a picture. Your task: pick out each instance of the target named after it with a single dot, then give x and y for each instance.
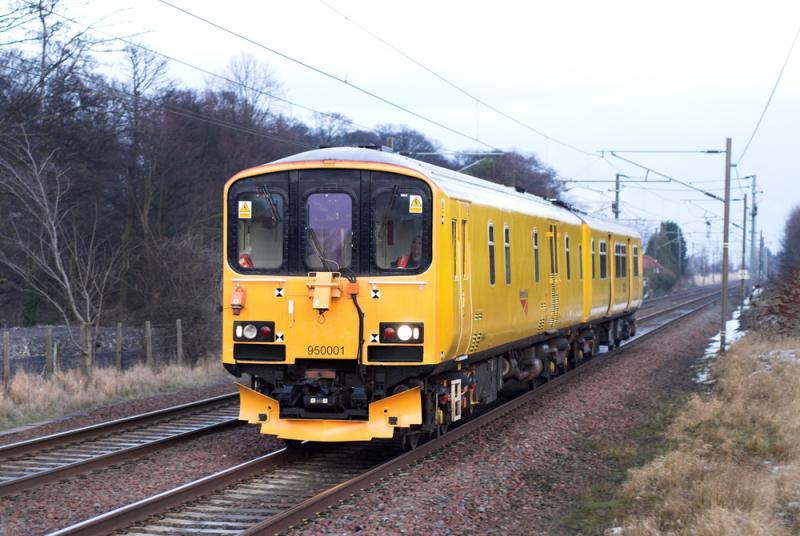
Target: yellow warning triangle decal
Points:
(244, 210)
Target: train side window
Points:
(603, 255)
(580, 261)
(566, 252)
(491, 253)
(464, 237)
(594, 255)
(507, 245)
(624, 260)
(453, 227)
(635, 261)
(616, 260)
(536, 255)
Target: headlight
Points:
(404, 332)
(250, 331)
(395, 332)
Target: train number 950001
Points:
(325, 350)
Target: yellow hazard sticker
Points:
(245, 210)
(415, 204)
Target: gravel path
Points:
(117, 411)
(520, 474)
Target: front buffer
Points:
(397, 411)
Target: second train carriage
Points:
(369, 294)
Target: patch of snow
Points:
(614, 530)
(778, 468)
(702, 367)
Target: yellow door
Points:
(610, 251)
(628, 274)
(463, 283)
(553, 310)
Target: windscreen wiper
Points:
(389, 208)
(312, 235)
(265, 193)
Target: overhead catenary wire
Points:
(679, 181)
(455, 86)
(330, 76)
(769, 99)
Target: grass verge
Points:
(31, 398)
(729, 460)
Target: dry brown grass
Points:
(31, 398)
(736, 465)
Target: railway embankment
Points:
(71, 399)
(727, 460)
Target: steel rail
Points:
(144, 509)
(34, 462)
(126, 515)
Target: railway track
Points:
(270, 494)
(47, 459)
(663, 302)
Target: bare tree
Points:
(330, 127)
(254, 83)
(13, 17)
(44, 248)
(62, 51)
(790, 256)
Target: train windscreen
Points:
(329, 220)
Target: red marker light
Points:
(265, 332)
(389, 334)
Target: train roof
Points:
(462, 186)
(609, 226)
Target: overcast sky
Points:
(624, 75)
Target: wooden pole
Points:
(179, 342)
(55, 357)
(6, 361)
(118, 356)
(48, 352)
(148, 344)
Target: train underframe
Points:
(340, 400)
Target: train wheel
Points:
(550, 368)
(578, 354)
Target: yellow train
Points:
(369, 295)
